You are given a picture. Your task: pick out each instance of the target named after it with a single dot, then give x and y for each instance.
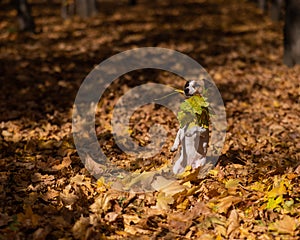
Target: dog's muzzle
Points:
(187, 92)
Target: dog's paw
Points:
(173, 149)
(177, 168)
(199, 163)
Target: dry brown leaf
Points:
(134, 230)
(68, 197)
(50, 194)
(78, 179)
(131, 219)
(28, 217)
(41, 233)
(173, 188)
(225, 203)
(179, 224)
(163, 201)
(65, 163)
(161, 183)
(80, 227)
(37, 177)
(103, 202)
(200, 208)
(233, 222)
(5, 219)
(111, 216)
(287, 225)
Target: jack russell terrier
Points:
(193, 140)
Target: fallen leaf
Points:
(38, 177)
(163, 200)
(161, 183)
(50, 195)
(233, 222)
(28, 217)
(131, 219)
(68, 197)
(287, 225)
(5, 219)
(80, 227)
(232, 183)
(179, 223)
(65, 163)
(225, 203)
(111, 216)
(41, 233)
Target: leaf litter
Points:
(45, 191)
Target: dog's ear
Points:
(195, 84)
(207, 84)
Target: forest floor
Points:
(47, 193)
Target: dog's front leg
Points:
(205, 148)
(177, 140)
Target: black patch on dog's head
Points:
(186, 88)
(190, 87)
(187, 84)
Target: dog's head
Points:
(191, 87)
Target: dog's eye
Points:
(187, 84)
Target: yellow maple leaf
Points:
(277, 190)
(101, 185)
(258, 186)
(275, 195)
(183, 205)
(163, 200)
(232, 183)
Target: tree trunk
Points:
(292, 33)
(25, 19)
(86, 8)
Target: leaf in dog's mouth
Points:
(170, 94)
(179, 90)
(194, 111)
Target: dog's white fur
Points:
(191, 87)
(194, 143)
(193, 140)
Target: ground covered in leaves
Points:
(45, 191)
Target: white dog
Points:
(193, 140)
(191, 87)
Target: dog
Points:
(191, 88)
(193, 140)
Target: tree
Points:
(292, 33)
(25, 19)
